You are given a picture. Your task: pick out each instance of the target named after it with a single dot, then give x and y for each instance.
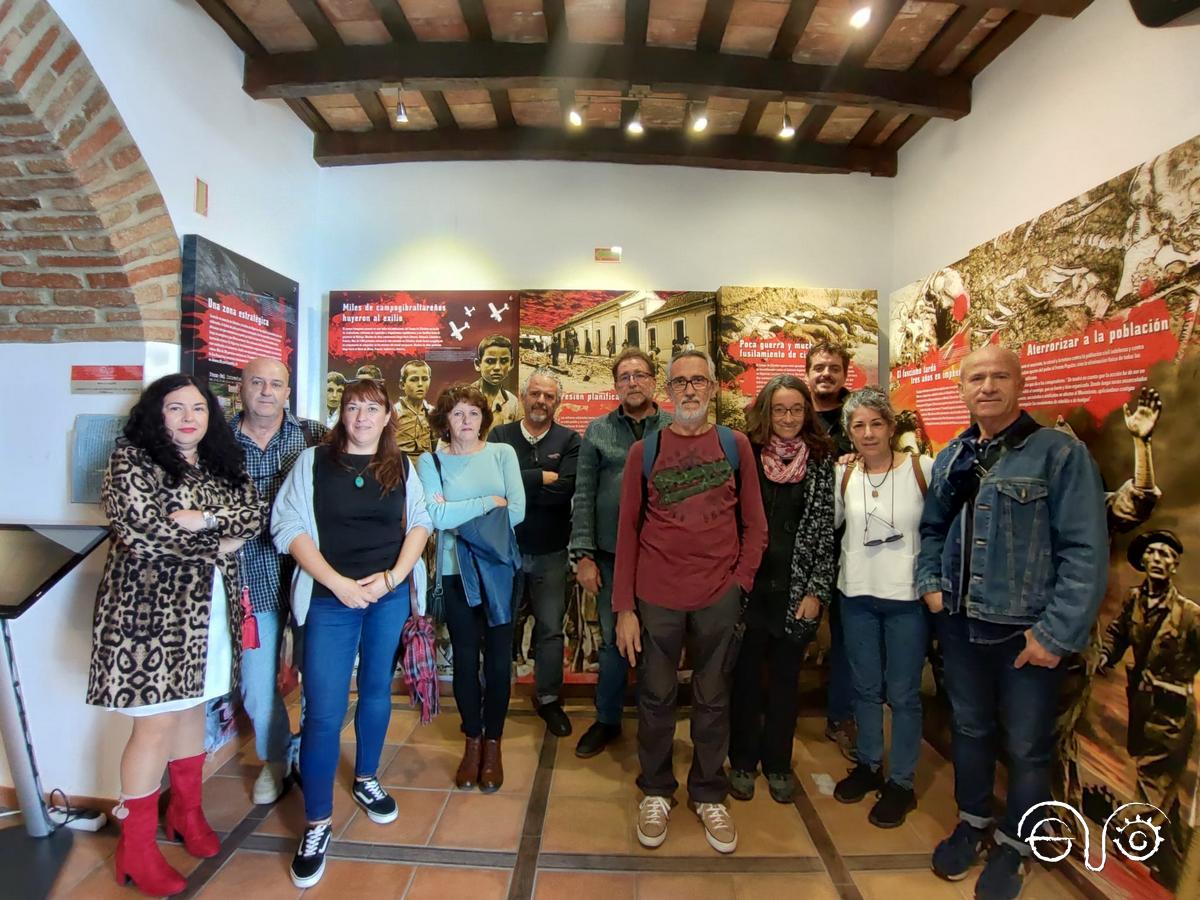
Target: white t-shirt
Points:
(884, 570)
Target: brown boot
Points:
(491, 773)
(467, 775)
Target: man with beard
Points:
(690, 535)
(602, 456)
(412, 409)
(1162, 627)
(271, 438)
(548, 454)
(493, 362)
(826, 367)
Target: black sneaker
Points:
(380, 808)
(308, 865)
(596, 738)
(1003, 876)
(556, 720)
(861, 781)
(956, 854)
(894, 804)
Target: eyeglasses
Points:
(630, 377)
(698, 383)
(796, 412)
(875, 523)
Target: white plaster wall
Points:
(1071, 104)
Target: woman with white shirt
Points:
(879, 499)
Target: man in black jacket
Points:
(548, 454)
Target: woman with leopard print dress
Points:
(168, 620)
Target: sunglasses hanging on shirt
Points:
(877, 530)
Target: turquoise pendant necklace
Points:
(359, 481)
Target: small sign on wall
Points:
(608, 254)
(202, 197)
(106, 379)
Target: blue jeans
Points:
(610, 683)
(333, 635)
(898, 629)
(273, 739)
(993, 701)
(839, 703)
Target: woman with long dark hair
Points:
(352, 515)
(168, 619)
(464, 483)
(793, 584)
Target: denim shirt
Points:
(1040, 544)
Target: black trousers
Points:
(763, 713)
(712, 648)
(483, 708)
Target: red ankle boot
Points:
(138, 858)
(185, 817)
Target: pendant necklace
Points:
(875, 487)
(359, 481)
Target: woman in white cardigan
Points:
(879, 499)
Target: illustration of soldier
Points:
(1128, 506)
(1162, 628)
(335, 384)
(412, 409)
(370, 371)
(493, 362)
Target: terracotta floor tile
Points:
(422, 766)
(87, 852)
(767, 828)
(553, 885)
(261, 876)
(400, 726)
(815, 886)
(227, 800)
(100, 881)
(419, 813)
(906, 885)
(287, 818)
(1042, 883)
(445, 729)
(671, 886)
(436, 883)
(480, 822)
(356, 878)
(348, 753)
(588, 825)
(609, 774)
(853, 834)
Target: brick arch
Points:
(87, 250)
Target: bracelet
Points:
(210, 521)
(388, 581)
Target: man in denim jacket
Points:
(1014, 554)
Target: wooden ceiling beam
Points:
(752, 118)
(813, 123)
(316, 22)
(494, 66)
(1010, 28)
(307, 113)
(637, 22)
(1066, 9)
(503, 108)
(441, 110)
(394, 20)
(712, 25)
(375, 110)
(475, 15)
(599, 145)
(949, 36)
(871, 128)
(554, 14)
(220, 13)
(794, 23)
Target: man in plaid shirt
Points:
(271, 439)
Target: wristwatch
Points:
(210, 521)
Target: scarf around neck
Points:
(784, 462)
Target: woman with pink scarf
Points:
(793, 585)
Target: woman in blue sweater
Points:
(466, 480)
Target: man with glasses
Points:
(548, 454)
(602, 456)
(690, 534)
(1014, 564)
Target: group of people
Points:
(691, 535)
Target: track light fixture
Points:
(787, 131)
(861, 17)
(575, 117)
(635, 126)
(699, 118)
(401, 112)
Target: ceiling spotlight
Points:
(635, 126)
(699, 118)
(401, 112)
(861, 17)
(787, 131)
(575, 117)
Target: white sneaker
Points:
(653, 813)
(718, 826)
(268, 786)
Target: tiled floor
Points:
(560, 827)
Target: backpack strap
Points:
(730, 448)
(846, 480)
(651, 445)
(918, 472)
(312, 436)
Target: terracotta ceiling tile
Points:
(601, 112)
(532, 95)
(725, 114)
(472, 116)
(536, 113)
(435, 20)
(661, 112)
(749, 40)
(772, 118)
(420, 116)
(356, 21)
(828, 34)
(889, 128)
(674, 23)
(516, 21)
(769, 13)
(843, 125)
(596, 21)
(910, 32)
(974, 38)
(468, 97)
(342, 112)
(274, 24)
